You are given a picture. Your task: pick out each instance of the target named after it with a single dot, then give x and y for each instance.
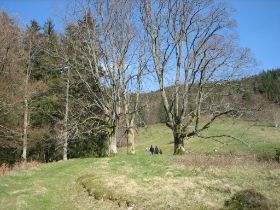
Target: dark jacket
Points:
(156, 150)
(152, 150)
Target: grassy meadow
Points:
(204, 178)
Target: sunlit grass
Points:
(208, 174)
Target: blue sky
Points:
(258, 23)
(259, 29)
(39, 10)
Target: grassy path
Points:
(49, 186)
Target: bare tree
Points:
(192, 43)
(130, 99)
(17, 54)
(10, 81)
(124, 62)
(30, 42)
(82, 52)
(103, 56)
(128, 59)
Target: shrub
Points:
(247, 199)
(265, 156)
(269, 156)
(277, 155)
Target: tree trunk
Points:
(65, 135)
(25, 117)
(112, 137)
(113, 144)
(130, 141)
(25, 125)
(178, 144)
(65, 145)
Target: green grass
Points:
(208, 174)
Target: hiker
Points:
(152, 150)
(160, 151)
(156, 150)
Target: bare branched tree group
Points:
(93, 73)
(191, 41)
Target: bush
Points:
(269, 156)
(277, 155)
(45, 149)
(247, 199)
(265, 156)
(9, 155)
(88, 146)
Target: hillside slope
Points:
(259, 94)
(202, 179)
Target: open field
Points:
(204, 178)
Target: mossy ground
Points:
(204, 178)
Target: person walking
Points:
(152, 150)
(156, 150)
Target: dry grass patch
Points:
(5, 168)
(204, 162)
(99, 190)
(156, 192)
(225, 175)
(185, 182)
